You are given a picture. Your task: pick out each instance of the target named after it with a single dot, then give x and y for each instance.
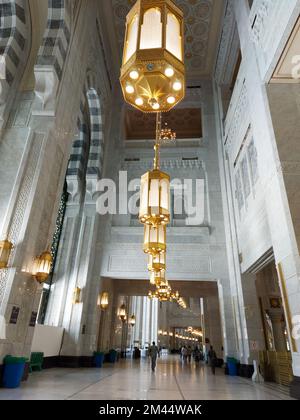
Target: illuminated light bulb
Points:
(177, 86)
(129, 89)
(139, 102)
(171, 100)
(169, 72)
(134, 75)
(156, 106)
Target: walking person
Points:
(184, 354)
(197, 355)
(212, 359)
(153, 354)
(189, 354)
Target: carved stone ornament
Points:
(46, 90)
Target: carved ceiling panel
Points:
(185, 122)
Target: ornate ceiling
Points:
(202, 27)
(185, 122)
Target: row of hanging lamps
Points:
(153, 81)
(155, 214)
(41, 267)
(122, 314)
(153, 71)
(155, 189)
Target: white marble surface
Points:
(129, 380)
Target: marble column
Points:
(276, 199)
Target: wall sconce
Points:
(77, 296)
(5, 250)
(42, 267)
(122, 313)
(132, 321)
(103, 301)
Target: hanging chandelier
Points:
(155, 189)
(157, 278)
(163, 292)
(153, 72)
(167, 135)
(155, 239)
(157, 263)
(153, 81)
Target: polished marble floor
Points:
(133, 380)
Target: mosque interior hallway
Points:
(149, 193)
(133, 380)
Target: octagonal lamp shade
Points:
(157, 263)
(155, 198)
(153, 72)
(5, 250)
(154, 239)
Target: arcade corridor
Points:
(134, 381)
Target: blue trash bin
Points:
(13, 371)
(99, 359)
(232, 366)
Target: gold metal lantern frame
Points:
(155, 239)
(155, 198)
(157, 278)
(5, 250)
(42, 267)
(163, 292)
(157, 263)
(153, 71)
(155, 189)
(103, 301)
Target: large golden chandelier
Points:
(153, 81)
(153, 72)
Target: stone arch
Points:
(87, 153)
(54, 48)
(95, 159)
(13, 36)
